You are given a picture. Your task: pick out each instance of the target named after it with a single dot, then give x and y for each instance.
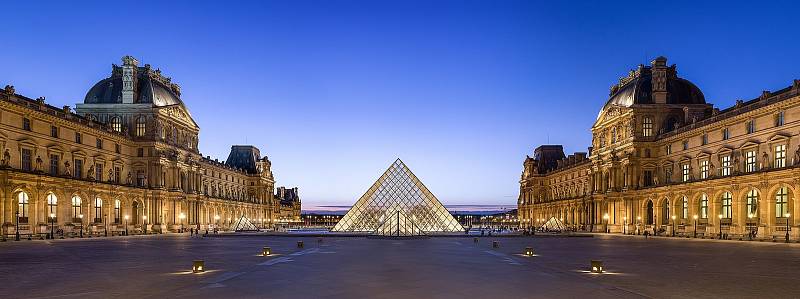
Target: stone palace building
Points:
(664, 161)
(127, 155)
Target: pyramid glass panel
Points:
(398, 204)
(243, 224)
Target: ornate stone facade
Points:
(664, 161)
(128, 154)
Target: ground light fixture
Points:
(529, 251)
(198, 266)
(299, 244)
(266, 251)
(597, 266)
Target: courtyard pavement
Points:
(446, 267)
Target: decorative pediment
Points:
(703, 155)
(724, 150)
(779, 137)
(748, 144)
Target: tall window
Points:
(52, 206)
(54, 131)
(669, 149)
(27, 163)
(704, 169)
(54, 164)
(780, 156)
(22, 201)
(726, 134)
(781, 202)
(779, 119)
(76, 208)
(26, 124)
(685, 212)
(752, 203)
(117, 174)
(685, 172)
(647, 127)
(78, 168)
(705, 139)
(116, 211)
(98, 171)
(116, 124)
(685, 144)
(78, 138)
(727, 211)
(141, 126)
(98, 210)
(751, 126)
(726, 165)
(99, 143)
(750, 161)
(704, 206)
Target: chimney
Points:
(129, 68)
(659, 82)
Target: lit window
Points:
(727, 211)
(685, 212)
(669, 149)
(704, 169)
(779, 119)
(23, 209)
(98, 210)
(647, 127)
(116, 211)
(76, 208)
(141, 126)
(781, 202)
(780, 156)
(52, 205)
(685, 172)
(116, 124)
(726, 165)
(750, 161)
(752, 203)
(704, 206)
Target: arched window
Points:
(52, 206)
(98, 210)
(22, 200)
(727, 211)
(650, 219)
(116, 124)
(141, 126)
(781, 202)
(704, 206)
(752, 203)
(665, 214)
(647, 126)
(117, 211)
(685, 211)
(76, 208)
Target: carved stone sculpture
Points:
(7, 158)
(38, 163)
(90, 173)
(67, 171)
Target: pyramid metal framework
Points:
(398, 204)
(243, 224)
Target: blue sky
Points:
(334, 91)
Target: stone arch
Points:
(791, 200)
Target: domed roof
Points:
(637, 87)
(149, 87)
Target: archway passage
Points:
(650, 219)
(135, 212)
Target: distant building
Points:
(662, 157)
(127, 154)
(289, 207)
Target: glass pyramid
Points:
(243, 224)
(398, 204)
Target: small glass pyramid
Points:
(398, 204)
(243, 224)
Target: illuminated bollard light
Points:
(495, 244)
(198, 266)
(597, 266)
(299, 244)
(529, 251)
(266, 251)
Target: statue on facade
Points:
(38, 163)
(66, 169)
(90, 172)
(110, 175)
(7, 158)
(655, 180)
(129, 180)
(797, 155)
(691, 172)
(737, 166)
(711, 167)
(764, 161)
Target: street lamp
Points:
(638, 223)
(81, 218)
(695, 225)
(144, 218)
(720, 226)
(787, 227)
(126, 225)
(16, 237)
(673, 225)
(52, 225)
(105, 224)
(181, 217)
(624, 224)
(605, 217)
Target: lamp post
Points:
(105, 224)
(695, 225)
(181, 217)
(605, 217)
(720, 226)
(16, 228)
(673, 225)
(126, 225)
(52, 225)
(144, 218)
(624, 225)
(81, 218)
(787, 227)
